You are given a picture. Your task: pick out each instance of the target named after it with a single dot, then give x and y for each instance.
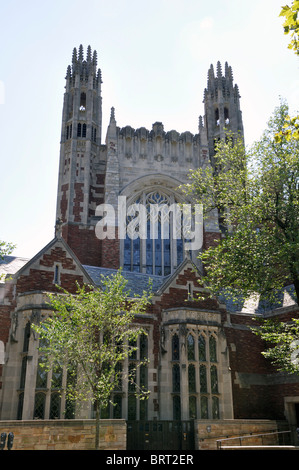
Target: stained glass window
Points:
(117, 407)
(143, 345)
(203, 378)
(191, 347)
(71, 377)
(132, 378)
(20, 405)
(143, 377)
(176, 378)
(176, 407)
(132, 407)
(55, 406)
(41, 375)
(56, 377)
(23, 372)
(202, 372)
(215, 407)
(39, 406)
(213, 351)
(133, 351)
(192, 407)
(105, 412)
(191, 378)
(201, 348)
(143, 405)
(69, 409)
(118, 375)
(214, 379)
(204, 411)
(175, 348)
(26, 337)
(163, 249)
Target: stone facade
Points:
(204, 361)
(65, 434)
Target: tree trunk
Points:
(97, 445)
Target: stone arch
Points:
(159, 247)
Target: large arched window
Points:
(161, 248)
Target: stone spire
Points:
(222, 105)
(84, 67)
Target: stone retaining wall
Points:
(207, 432)
(65, 434)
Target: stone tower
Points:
(82, 167)
(222, 106)
(132, 164)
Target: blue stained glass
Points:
(127, 254)
(179, 251)
(158, 246)
(136, 255)
(149, 253)
(166, 253)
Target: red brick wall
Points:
(110, 252)
(42, 279)
(177, 297)
(210, 239)
(84, 243)
(78, 201)
(4, 329)
(260, 397)
(96, 193)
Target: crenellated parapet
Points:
(157, 145)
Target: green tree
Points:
(256, 193)
(5, 248)
(91, 334)
(283, 343)
(291, 24)
(291, 27)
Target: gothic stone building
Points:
(204, 361)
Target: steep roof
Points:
(9, 265)
(137, 282)
(255, 305)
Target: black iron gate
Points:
(160, 435)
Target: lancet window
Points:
(157, 247)
(200, 360)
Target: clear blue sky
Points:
(154, 56)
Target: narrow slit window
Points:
(56, 275)
(82, 101)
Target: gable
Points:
(185, 288)
(54, 265)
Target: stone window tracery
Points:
(197, 354)
(162, 250)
